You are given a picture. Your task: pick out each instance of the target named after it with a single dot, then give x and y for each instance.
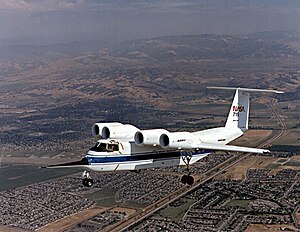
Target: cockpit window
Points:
(112, 147)
(100, 147)
(104, 147)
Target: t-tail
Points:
(238, 117)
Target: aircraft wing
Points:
(82, 162)
(221, 147)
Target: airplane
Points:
(124, 147)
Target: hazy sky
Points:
(51, 21)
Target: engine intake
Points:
(98, 128)
(114, 130)
(148, 137)
(126, 131)
(177, 140)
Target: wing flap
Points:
(221, 147)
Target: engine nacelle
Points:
(97, 128)
(126, 131)
(177, 140)
(149, 137)
(114, 130)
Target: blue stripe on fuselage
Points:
(138, 157)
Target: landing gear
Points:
(187, 179)
(87, 180)
(137, 171)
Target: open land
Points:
(69, 221)
(47, 109)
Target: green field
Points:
(292, 163)
(103, 197)
(281, 161)
(132, 204)
(272, 166)
(107, 197)
(239, 203)
(175, 213)
(13, 176)
(286, 148)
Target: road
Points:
(151, 209)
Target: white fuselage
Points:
(129, 156)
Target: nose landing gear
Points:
(87, 180)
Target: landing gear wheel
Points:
(90, 183)
(87, 182)
(190, 180)
(187, 179)
(184, 179)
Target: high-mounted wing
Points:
(245, 89)
(221, 147)
(82, 162)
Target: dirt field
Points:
(238, 171)
(298, 216)
(11, 229)
(127, 211)
(269, 228)
(252, 137)
(72, 220)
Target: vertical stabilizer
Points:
(239, 112)
(238, 116)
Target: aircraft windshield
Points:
(105, 147)
(100, 147)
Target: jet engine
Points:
(114, 130)
(177, 140)
(97, 128)
(148, 137)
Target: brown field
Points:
(252, 137)
(291, 137)
(127, 211)
(11, 229)
(72, 220)
(238, 171)
(269, 228)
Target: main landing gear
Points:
(87, 180)
(187, 179)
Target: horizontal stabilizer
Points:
(82, 162)
(221, 147)
(245, 89)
